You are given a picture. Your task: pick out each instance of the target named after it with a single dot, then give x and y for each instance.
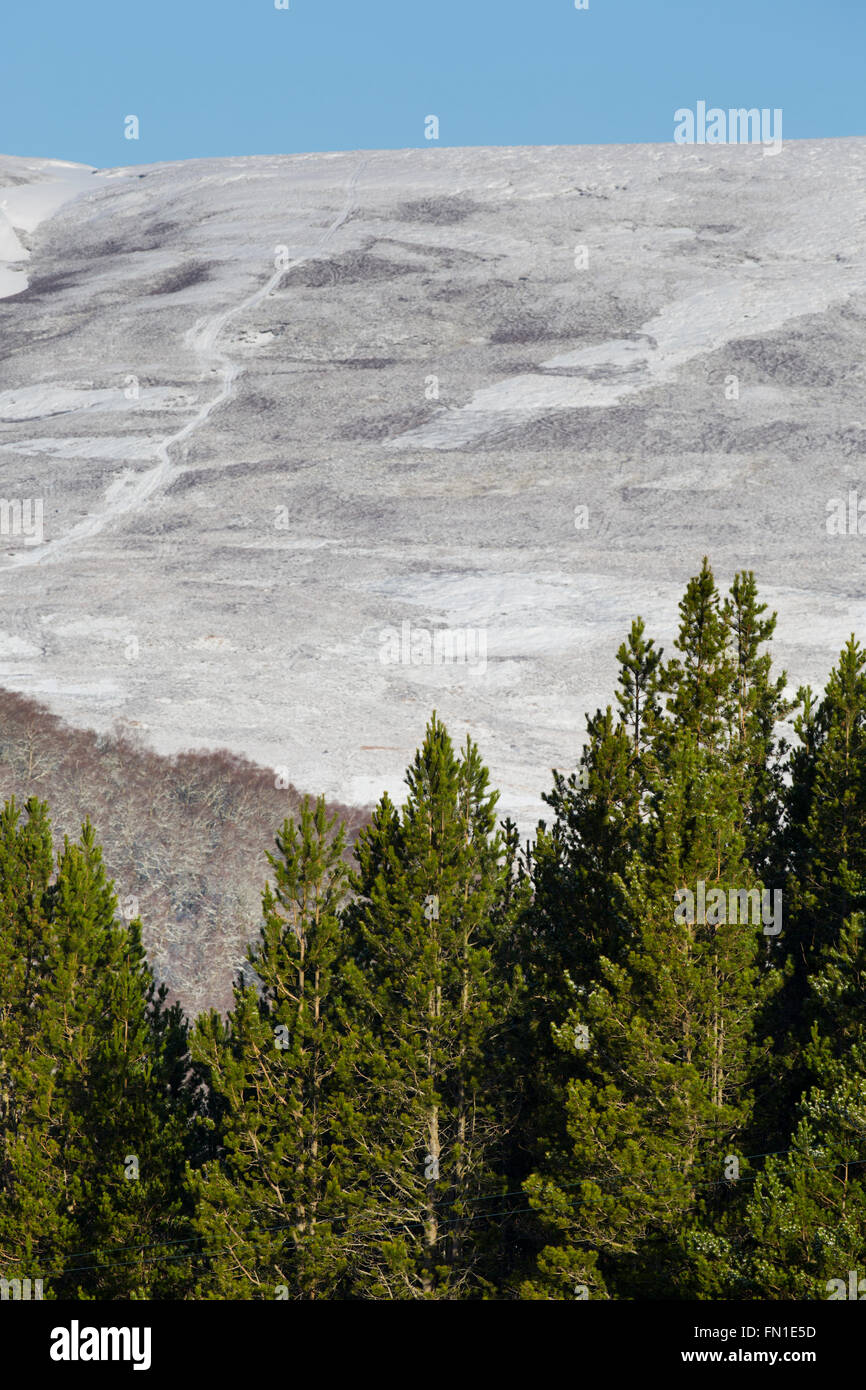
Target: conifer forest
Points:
(623, 1059)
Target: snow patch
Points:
(124, 446)
(13, 646)
(41, 402)
(40, 187)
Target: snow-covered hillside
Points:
(31, 190)
(290, 418)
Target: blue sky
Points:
(235, 77)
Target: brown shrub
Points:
(185, 836)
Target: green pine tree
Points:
(805, 1224)
(662, 1039)
(273, 1206)
(93, 1143)
(430, 1008)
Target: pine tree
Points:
(272, 1207)
(429, 1004)
(35, 1229)
(662, 1049)
(805, 1225)
(760, 707)
(702, 683)
(662, 1041)
(825, 861)
(574, 915)
(93, 1146)
(828, 797)
(640, 684)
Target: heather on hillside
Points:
(184, 837)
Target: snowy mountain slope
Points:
(31, 190)
(278, 408)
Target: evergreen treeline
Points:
(462, 1068)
